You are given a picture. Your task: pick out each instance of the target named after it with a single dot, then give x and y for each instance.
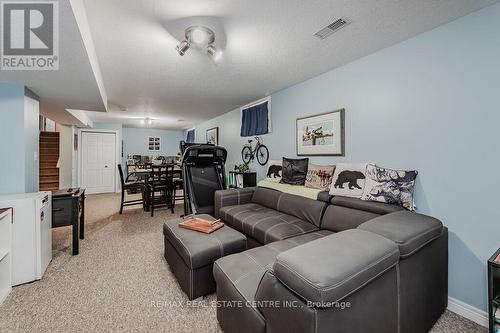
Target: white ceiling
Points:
(76, 84)
(268, 46)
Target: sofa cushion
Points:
(197, 249)
(229, 213)
(319, 176)
(294, 171)
(274, 172)
(348, 180)
(266, 197)
(244, 270)
(338, 218)
(348, 213)
(333, 267)
(410, 231)
(367, 206)
(306, 209)
(231, 197)
(390, 186)
(264, 224)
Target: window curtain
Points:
(255, 120)
(190, 136)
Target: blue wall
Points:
(19, 137)
(12, 169)
(430, 103)
(31, 145)
(135, 141)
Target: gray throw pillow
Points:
(294, 171)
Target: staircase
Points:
(49, 155)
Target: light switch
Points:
(35, 156)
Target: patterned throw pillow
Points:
(274, 171)
(294, 171)
(348, 180)
(319, 176)
(394, 187)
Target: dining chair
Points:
(161, 180)
(132, 187)
(178, 186)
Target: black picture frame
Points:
(340, 115)
(209, 132)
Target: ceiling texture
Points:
(77, 84)
(267, 46)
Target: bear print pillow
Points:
(394, 187)
(348, 180)
(274, 171)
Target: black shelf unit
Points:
(493, 289)
(249, 179)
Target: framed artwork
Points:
(154, 143)
(213, 136)
(321, 134)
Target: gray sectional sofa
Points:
(335, 264)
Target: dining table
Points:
(144, 176)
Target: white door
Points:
(98, 162)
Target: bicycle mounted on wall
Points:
(260, 151)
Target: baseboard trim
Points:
(468, 311)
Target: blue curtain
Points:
(255, 120)
(190, 136)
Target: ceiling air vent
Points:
(331, 28)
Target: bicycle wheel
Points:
(246, 154)
(262, 155)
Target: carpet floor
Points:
(121, 282)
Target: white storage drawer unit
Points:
(5, 253)
(31, 234)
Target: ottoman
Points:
(191, 254)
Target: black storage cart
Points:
(242, 179)
(494, 291)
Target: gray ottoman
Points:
(191, 254)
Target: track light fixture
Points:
(201, 37)
(146, 121)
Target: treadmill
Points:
(203, 173)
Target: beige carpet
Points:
(120, 282)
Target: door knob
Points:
(105, 166)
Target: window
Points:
(256, 119)
(190, 136)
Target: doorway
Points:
(98, 161)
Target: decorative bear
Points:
(350, 177)
(274, 171)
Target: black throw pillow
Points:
(294, 171)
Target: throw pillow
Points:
(319, 176)
(348, 180)
(294, 171)
(274, 171)
(394, 187)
